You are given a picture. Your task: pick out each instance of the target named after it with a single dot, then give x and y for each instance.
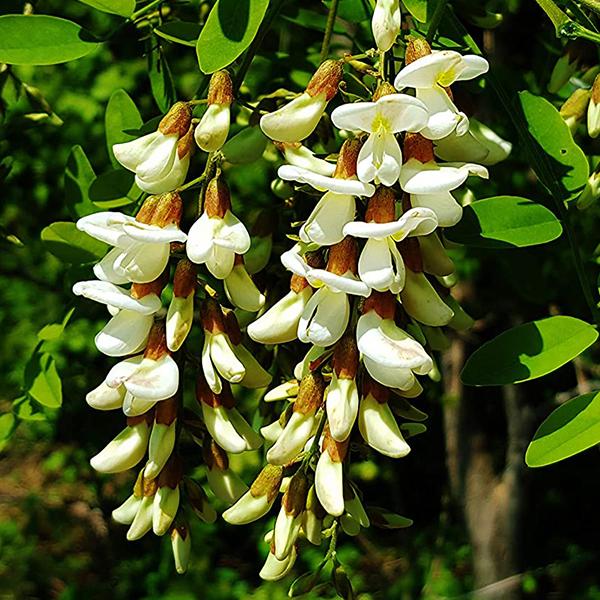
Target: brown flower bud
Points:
(141, 290)
(211, 316)
(168, 210)
(177, 120)
(147, 209)
(383, 303)
(345, 357)
(382, 206)
(596, 90)
(298, 283)
(310, 393)
(206, 395)
(336, 450)
(232, 327)
(343, 257)
(217, 200)
(186, 143)
(326, 79)
(411, 254)
(416, 48)
(268, 482)
(375, 389)
(345, 167)
(172, 472)
(148, 487)
(220, 89)
(294, 499)
(165, 411)
(157, 341)
(384, 89)
(418, 147)
(184, 280)
(214, 456)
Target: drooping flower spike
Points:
(431, 74)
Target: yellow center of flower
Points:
(446, 78)
(381, 125)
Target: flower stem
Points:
(138, 13)
(329, 29)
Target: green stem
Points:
(436, 19)
(256, 43)
(329, 29)
(138, 13)
(564, 25)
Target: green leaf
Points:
(385, 519)
(528, 351)
(42, 40)
(26, 410)
(161, 80)
(421, 10)
(180, 32)
(123, 8)
(505, 222)
(229, 30)
(411, 429)
(79, 174)
(114, 189)
(562, 167)
(572, 428)
(70, 245)
(8, 424)
(246, 146)
(42, 381)
(53, 331)
(121, 115)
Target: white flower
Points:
(386, 23)
(241, 291)
(380, 159)
(160, 160)
(329, 475)
(380, 264)
(181, 545)
(164, 508)
(324, 183)
(430, 75)
(142, 245)
(212, 131)
(275, 569)
(422, 302)
(218, 235)
(300, 156)
(162, 437)
(325, 224)
(290, 517)
(298, 119)
(180, 316)
(106, 398)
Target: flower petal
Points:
(108, 293)
(329, 484)
(324, 318)
(342, 407)
(124, 334)
(154, 379)
(422, 302)
(325, 224)
(292, 439)
(323, 183)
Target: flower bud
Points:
(106, 398)
(593, 114)
(329, 474)
(418, 147)
(180, 315)
(213, 129)
(166, 500)
(199, 502)
(181, 545)
(575, 107)
(386, 23)
(162, 438)
(343, 257)
(577, 55)
(415, 49)
(289, 519)
(590, 194)
(275, 569)
(241, 290)
(177, 120)
(421, 301)
(142, 522)
(224, 482)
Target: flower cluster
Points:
(368, 292)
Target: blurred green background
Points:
(482, 520)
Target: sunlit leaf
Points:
(572, 428)
(229, 30)
(70, 245)
(123, 8)
(505, 222)
(528, 351)
(42, 381)
(42, 40)
(161, 80)
(53, 331)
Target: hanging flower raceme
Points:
(301, 424)
(390, 355)
(160, 160)
(380, 264)
(142, 245)
(386, 23)
(180, 315)
(224, 422)
(327, 313)
(431, 74)
(380, 159)
(298, 119)
(212, 131)
(133, 310)
(430, 184)
(337, 206)
(218, 235)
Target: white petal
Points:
(242, 291)
(375, 265)
(292, 440)
(323, 183)
(110, 294)
(233, 234)
(220, 262)
(447, 210)
(124, 334)
(280, 323)
(296, 120)
(154, 379)
(166, 504)
(386, 23)
(224, 358)
(303, 157)
(143, 263)
(435, 258)
(325, 224)
(252, 439)
(122, 370)
(131, 154)
(152, 234)
(106, 398)
(134, 407)
(142, 522)
(213, 129)
(125, 513)
(431, 178)
(292, 261)
(422, 302)
(158, 158)
(287, 528)
(357, 116)
(473, 66)
(171, 180)
(392, 377)
(379, 428)
(347, 283)
(324, 318)
(105, 226)
(329, 484)
(275, 569)
(160, 447)
(248, 508)
(425, 71)
(222, 430)
(124, 451)
(210, 373)
(255, 376)
(200, 238)
(179, 321)
(342, 407)
(403, 112)
(444, 117)
(105, 269)
(226, 484)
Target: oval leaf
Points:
(528, 351)
(246, 146)
(78, 176)
(505, 222)
(229, 30)
(121, 115)
(572, 428)
(561, 166)
(70, 245)
(42, 380)
(114, 189)
(42, 40)
(179, 32)
(123, 8)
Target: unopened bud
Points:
(220, 89)
(268, 482)
(574, 109)
(343, 257)
(217, 200)
(383, 303)
(205, 395)
(141, 290)
(181, 545)
(593, 114)
(336, 450)
(294, 499)
(186, 143)
(370, 387)
(383, 89)
(386, 23)
(177, 120)
(417, 147)
(416, 48)
(345, 167)
(214, 456)
(184, 280)
(326, 79)
(211, 316)
(157, 341)
(168, 210)
(310, 393)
